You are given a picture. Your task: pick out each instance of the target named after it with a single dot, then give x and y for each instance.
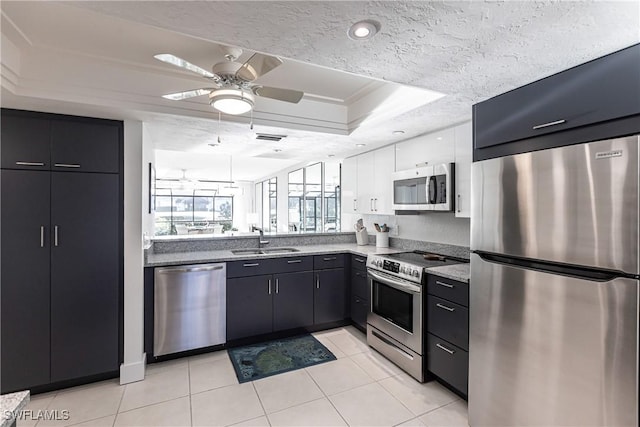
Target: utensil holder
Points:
(382, 239)
(362, 238)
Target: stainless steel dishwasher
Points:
(189, 307)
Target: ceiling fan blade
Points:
(257, 66)
(188, 94)
(286, 95)
(179, 62)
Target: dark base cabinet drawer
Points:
(251, 267)
(293, 264)
(449, 362)
(359, 283)
(359, 309)
(448, 320)
(449, 289)
(321, 262)
(359, 262)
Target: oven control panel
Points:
(391, 266)
(400, 269)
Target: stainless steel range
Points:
(395, 321)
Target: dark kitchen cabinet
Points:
(359, 291)
(84, 146)
(293, 300)
(249, 306)
(84, 274)
(25, 279)
(25, 141)
(62, 264)
(329, 296)
(260, 304)
(449, 362)
(600, 90)
(447, 341)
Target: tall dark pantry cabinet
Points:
(61, 250)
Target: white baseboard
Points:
(132, 372)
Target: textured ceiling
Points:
(470, 51)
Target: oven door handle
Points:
(405, 287)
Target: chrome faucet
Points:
(261, 241)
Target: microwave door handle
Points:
(432, 195)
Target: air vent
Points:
(269, 137)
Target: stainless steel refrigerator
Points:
(554, 287)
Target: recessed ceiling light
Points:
(439, 138)
(363, 30)
(360, 145)
(211, 144)
(277, 150)
(331, 155)
(398, 132)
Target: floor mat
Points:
(256, 361)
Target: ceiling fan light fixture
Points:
(232, 101)
(363, 30)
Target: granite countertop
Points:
(455, 271)
(181, 258)
(11, 404)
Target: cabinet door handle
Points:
(329, 258)
(358, 274)
(269, 286)
(254, 264)
(29, 163)
(55, 236)
(544, 125)
(371, 204)
(448, 350)
(444, 307)
(355, 204)
(67, 165)
(459, 203)
(446, 285)
(360, 260)
(295, 261)
(42, 236)
(375, 205)
(277, 286)
(318, 282)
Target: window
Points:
(267, 191)
(190, 212)
(314, 197)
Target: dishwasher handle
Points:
(193, 269)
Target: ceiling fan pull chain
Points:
(219, 115)
(251, 124)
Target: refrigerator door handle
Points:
(579, 272)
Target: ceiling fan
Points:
(233, 90)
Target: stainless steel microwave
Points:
(428, 188)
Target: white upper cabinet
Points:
(367, 182)
(434, 148)
(463, 150)
(383, 168)
(349, 185)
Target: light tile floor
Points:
(361, 388)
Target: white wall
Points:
(134, 358)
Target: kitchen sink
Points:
(264, 251)
(279, 250)
(246, 252)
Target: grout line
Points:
(119, 405)
(264, 411)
